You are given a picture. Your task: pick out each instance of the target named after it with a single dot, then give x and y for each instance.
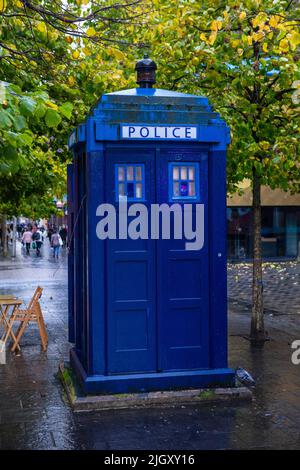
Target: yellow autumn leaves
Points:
(216, 25)
(294, 39)
(75, 54)
(263, 28)
(91, 32)
(111, 51)
(274, 21)
(41, 27)
(71, 80)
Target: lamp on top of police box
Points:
(145, 69)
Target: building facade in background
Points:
(62, 219)
(280, 225)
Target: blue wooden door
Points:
(182, 276)
(130, 264)
(157, 291)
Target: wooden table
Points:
(7, 304)
(5, 297)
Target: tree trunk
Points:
(4, 236)
(257, 321)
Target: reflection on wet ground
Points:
(34, 415)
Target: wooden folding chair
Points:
(32, 313)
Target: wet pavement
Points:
(281, 286)
(34, 414)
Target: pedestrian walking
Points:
(56, 243)
(63, 235)
(19, 231)
(50, 233)
(37, 238)
(27, 239)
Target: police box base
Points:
(132, 390)
(151, 399)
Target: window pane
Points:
(183, 173)
(184, 179)
(175, 173)
(175, 189)
(130, 173)
(192, 192)
(138, 173)
(138, 190)
(130, 190)
(183, 188)
(191, 173)
(121, 189)
(121, 173)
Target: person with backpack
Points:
(37, 238)
(63, 235)
(50, 233)
(56, 243)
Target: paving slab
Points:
(34, 413)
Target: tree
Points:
(245, 57)
(47, 86)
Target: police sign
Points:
(133, 131)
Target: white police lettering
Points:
(159, 132)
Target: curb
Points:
(160, 399)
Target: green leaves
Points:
(27, 106)
(19, 123)
(52, 118)
(66, 110)
(12, 138)
(18, 140)
(5, 119)
(25, 139)
(25, 121)
(40, 111)
(10, 153)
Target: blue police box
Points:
(146, 313)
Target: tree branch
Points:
(76, 19)
(237, 110)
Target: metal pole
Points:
(4, 235)
(14, 240)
